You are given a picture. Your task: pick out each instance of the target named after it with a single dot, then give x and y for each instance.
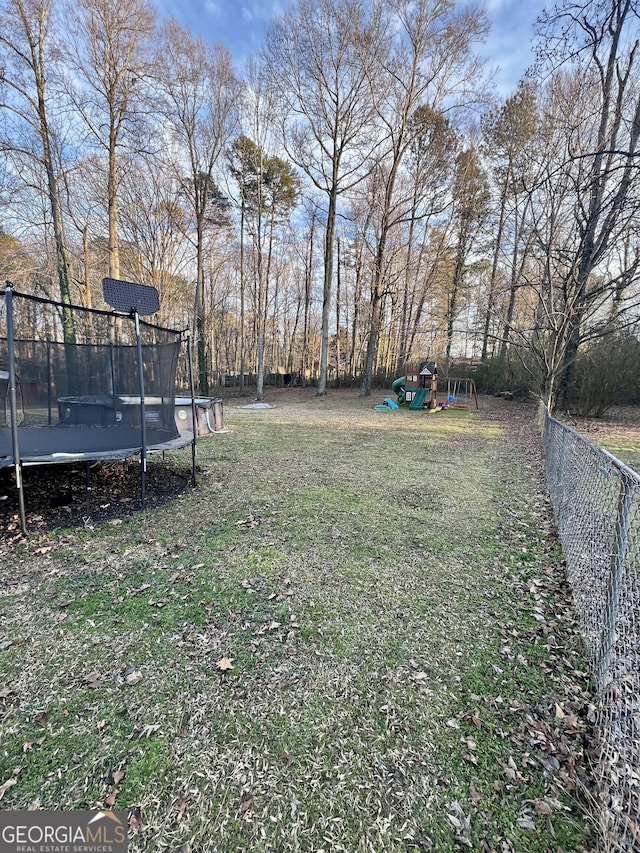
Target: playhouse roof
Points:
(428, 368)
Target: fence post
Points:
(623, 523)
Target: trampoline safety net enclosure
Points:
(76, 383)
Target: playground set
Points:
(422, 390)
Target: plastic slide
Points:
(398, 387)
(388, 406)
(418, 400)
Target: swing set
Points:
(461, 393)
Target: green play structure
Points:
(421, 388)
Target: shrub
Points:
(606, 374)
(504, 373)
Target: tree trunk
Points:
(326, 289)
(203, 374)
(112, 204)
(494, 270)
(242, 286)
(308, 275)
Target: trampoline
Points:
(86, 385)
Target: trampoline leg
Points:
(14, 404)
(19, 485)
(143, 481)
(87, 484)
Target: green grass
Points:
(399, 632)
(627, 450)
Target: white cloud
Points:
(496, 6)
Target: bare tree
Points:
(597, 124)
(153, 223)
(111, 55)
(35, 116)
(314, 54)
(507, 132)
(429, 62)
(198, 95)
(429, 166)
(268, 189)
(470, 203)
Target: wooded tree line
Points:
(354, 201)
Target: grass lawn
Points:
(624, 445)
(618, 432)
(352, 636)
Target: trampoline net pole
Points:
(13, 405)
(143, 425)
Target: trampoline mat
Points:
(77, 443)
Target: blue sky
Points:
(240, 25)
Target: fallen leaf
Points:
(476, 797)
(133, 676)
(461, 823)
(551, 765)
(571, 721)
(118, 776)
(93, 679)
(225, 664)
(246, 803)
(180, 805)
(29, 744)
(135, 819)
(6, 785)
(110, 800)
(269, 626)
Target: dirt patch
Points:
(75, 495)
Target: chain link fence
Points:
(596, 502)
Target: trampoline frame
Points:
(148, 439)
